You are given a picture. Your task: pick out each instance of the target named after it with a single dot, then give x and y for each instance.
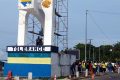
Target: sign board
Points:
(32, 49)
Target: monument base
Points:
(22, 70)
(22, 60)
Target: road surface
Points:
(107, 76)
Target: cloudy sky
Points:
(103, 21)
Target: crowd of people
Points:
(96, 68)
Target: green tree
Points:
(81, 47)
(107, 52)
(116, 51)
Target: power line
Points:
(105, 12)
(98, 26)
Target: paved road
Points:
(108, 76)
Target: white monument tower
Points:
(40, 60)
(43, 10)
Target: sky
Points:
(103, 22)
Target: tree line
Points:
(101, 53)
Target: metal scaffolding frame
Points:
(61, 27)
(34, 30)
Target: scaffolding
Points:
(61, 27)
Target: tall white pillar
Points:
(22, 28)
(49, 22)
(44, 11)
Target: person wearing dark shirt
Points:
(39, 41)
(72, 68)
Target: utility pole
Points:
(93, 55)
(99, 53)
(79, 54)
(90, 49)
(86, 36)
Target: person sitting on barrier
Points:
(39, 41)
